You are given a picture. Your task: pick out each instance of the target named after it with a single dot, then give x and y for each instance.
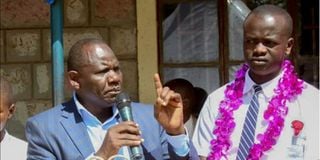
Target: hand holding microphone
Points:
(126, 133)
(124, 107)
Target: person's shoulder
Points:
(50, 113)
(310, 95)
(16, 141)
(219, 92)
(310, 88)
(309, 92)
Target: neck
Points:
(260, 79)
(101, 113)
(101, 110)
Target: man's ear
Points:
(12, 109)
(73, 78)
(289, 46)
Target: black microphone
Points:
(124, 107)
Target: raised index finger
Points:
(158, 84)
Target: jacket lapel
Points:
(76, 129)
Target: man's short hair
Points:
(77, 58)
(273, 11)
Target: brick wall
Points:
(25, 52)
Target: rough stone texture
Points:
(24, 110)
(42, 78)
(113, 12)
(24, 13)
(42, 87)
(70, 37)
(1, 46)
(76, 12)
(130, 78)
(123, 41)
(20, 78)
(23, 45)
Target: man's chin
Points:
(258, 68)
(110, 101)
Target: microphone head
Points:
(122, 100)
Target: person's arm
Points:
(184, 149)
(38, 146)
(169, 113)
(168, 109)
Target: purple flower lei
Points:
(289, 86)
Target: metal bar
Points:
(56, 9)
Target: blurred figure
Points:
(11, 147)
(200, 96)
(185, 89)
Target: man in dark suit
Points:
(88, 126)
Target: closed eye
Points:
(106, 70)
(269, 44)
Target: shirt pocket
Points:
(297, 147)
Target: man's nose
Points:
(260, 49)
(114, 76)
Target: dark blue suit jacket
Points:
(60, 133)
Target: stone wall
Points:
(25, 52)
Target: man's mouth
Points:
(113, 92)
(258, 61)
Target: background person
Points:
(200, 97)
(10, 146)
(185, 89)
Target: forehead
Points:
(265, 25)
(100, 53)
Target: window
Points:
(194, 42)
(201, 40)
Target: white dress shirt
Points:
(305, 108)
(13, 148)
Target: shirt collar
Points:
(267, 87)
(89, 118)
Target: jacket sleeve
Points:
(192, 155)
(38, 146)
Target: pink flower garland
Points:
(289, 86)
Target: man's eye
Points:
(269, 44)
(116, 69)
(103, 71)
(250, 41)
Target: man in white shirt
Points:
(10, 147)
(267, 43)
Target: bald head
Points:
(265, 12)
(78, 54)
(6, 91)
